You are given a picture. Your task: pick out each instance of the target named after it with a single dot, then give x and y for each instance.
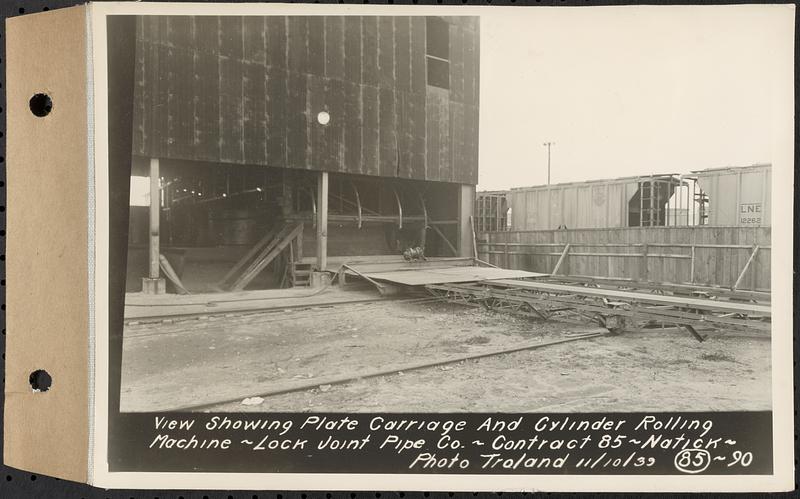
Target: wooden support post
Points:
(423, 235)
(155, 215)
(691, 270)
(505, 251)
(272, 251)
(474, 238)
(643, 275)
(466, 205)
(290, 266)
(172, 275)
(154, 283)
(452, 248)
(358, 202)
(299, 248)
(248, 257)
(746, 266)
(560, 260)
(322, 221)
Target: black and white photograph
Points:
(320, 239)
(565, 213)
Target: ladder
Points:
(301, 274)
(701, 199)
(649, 203)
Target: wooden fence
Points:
(718, 256)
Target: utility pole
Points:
(547, 145)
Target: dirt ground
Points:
(183, 364)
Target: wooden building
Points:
(361, 131)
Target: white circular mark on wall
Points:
(323, 117)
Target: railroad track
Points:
(176, 317)
(347, 378)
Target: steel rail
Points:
(338, 380)
(256, 310)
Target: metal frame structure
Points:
(612, 309)
(491, 211)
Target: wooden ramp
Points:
(260, 255)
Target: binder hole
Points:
(41, 105)
(40, 380)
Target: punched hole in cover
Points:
(41, 105)
(40, 380)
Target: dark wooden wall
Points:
(247, 90)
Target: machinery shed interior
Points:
(284, 140)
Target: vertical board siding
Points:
(275, 110)
(712, 266)
(387, 134)
(370, 136)
(142, 96)
(316, 45)
(276, 39)
(334, 47)
(231, 106)
(254, 124)
(247, 90)
(386, 43)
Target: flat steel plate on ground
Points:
(443, 275)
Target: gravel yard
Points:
(221, 361)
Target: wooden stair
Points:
(301, 274)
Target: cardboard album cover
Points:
(312, 247)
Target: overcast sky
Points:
(625, 91)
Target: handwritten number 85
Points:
(693, 460)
